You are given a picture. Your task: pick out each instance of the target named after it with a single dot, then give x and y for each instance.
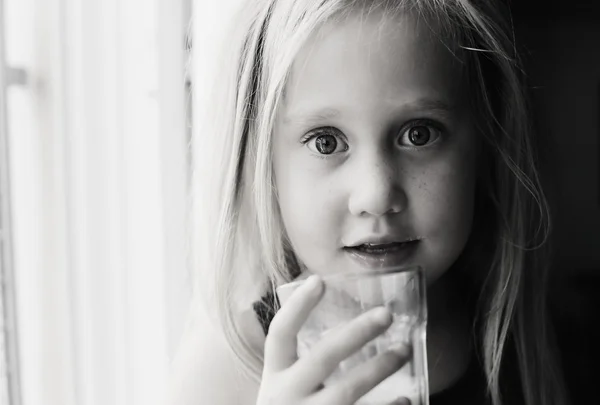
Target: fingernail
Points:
(313, 281)
(382, 315)
(401, 350)
(401, 401)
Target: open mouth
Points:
(378, 254)
(383, 248)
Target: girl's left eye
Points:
(419, 134)
(325, 142)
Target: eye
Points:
(325, 141)
(419, 134)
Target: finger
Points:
(337, 345)
(401, 401)
(362, 379)
(281, 341)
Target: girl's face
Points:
(374, 149)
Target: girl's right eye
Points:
(325, 141)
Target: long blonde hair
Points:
(244, 236)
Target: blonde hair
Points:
(245, 237)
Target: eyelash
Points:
(414, 123)
(318, 132)
(423, 122)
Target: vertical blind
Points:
(98, 172)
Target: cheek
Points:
(310, 208)
(444, 208)
(452, 204)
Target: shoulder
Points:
(205, 371)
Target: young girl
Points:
(345, 133)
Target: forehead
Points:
(373, 60)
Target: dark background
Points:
(561, 9)
(560, 46)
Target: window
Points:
(94, 174)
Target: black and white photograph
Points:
(299, 202)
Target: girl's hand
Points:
(287, 380)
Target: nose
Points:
(376, 187)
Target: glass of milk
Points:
(402, 290)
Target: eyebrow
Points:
(434, 105)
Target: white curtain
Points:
(98, 174)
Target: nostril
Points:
(370, 201)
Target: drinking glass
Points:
(403, 291)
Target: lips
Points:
(383, 254)
(380, 248)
